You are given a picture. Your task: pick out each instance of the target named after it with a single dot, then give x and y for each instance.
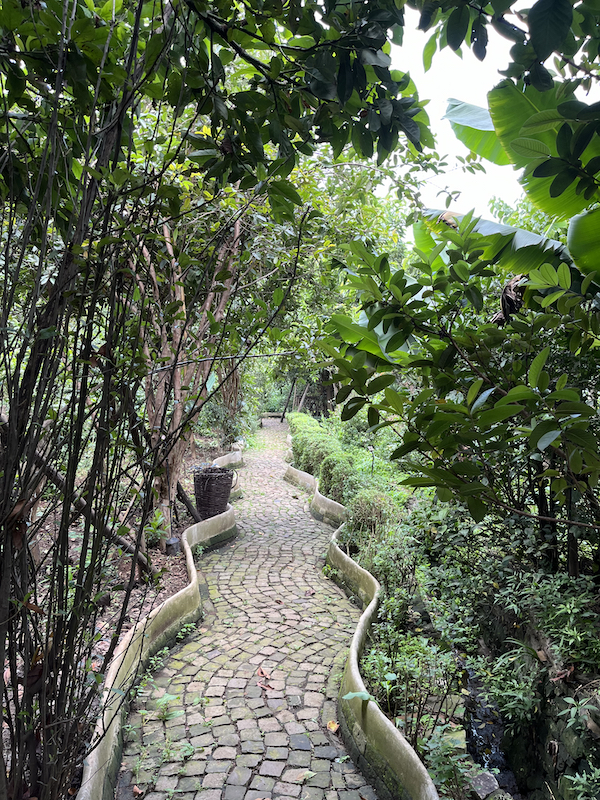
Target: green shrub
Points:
(302, 422)
(369, 510)
(338, 479)
(413, 686)
(155, 529)
(585, 785)
(311, 449)
(511, 681)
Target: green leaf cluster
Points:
(501, 411)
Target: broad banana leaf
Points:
(519, 251)
(510, 109)
(473, 127)
(583, 239)
(524, 144)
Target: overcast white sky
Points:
(465, 79)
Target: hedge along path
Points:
(240, 711)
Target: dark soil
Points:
(172, 569)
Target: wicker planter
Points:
(212, 486)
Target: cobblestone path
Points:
(240, 711)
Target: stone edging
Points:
(380, 750)
(229, 460)
(321, 507)
(382, 753)
(158, 629)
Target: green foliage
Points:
(198, 551)
(552, 136)
(155, 529)
(503, 416)
(478, 585)
(348, 468)
(337, 478)
(566, 609)
(524, 215)
(311, 449)
(186, 630)
(511, 682)
(412, 686)
(576, 711)
(370, 510)
(450, 771)
(300, 423)
(585, 785)
(164, 707)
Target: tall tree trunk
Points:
(169, 390)
(303, 398)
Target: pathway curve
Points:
(243, 706)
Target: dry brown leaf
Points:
(137, 792)
(72, 792)
(309, 592)
(33, 607)
(333, 726)
(262, 674)
(264, 686)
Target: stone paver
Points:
(250, 696)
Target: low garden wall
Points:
(380, 750)
(321, 507)
(231, 460)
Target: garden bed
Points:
(438, 605)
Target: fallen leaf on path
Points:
(137, 792)
(333, 726)
(262, 674)
(264, 686)
(280, 602)
(309, 592)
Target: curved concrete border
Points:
(302, 479)
(229, 460)
(146, 638)
(377, 746)
(321, 507)
(380, 750)
(214, 530)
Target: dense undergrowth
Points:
(460, 599)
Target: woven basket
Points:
(212, 486)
